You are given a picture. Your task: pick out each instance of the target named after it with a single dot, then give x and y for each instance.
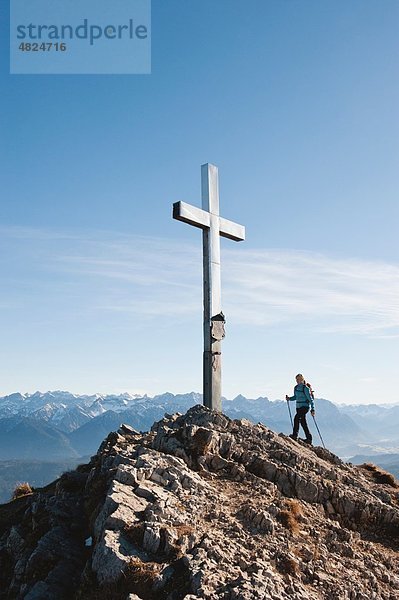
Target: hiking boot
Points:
(308, 441)
(293, 437)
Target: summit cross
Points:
(213, 226)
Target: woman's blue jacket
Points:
(302, 396)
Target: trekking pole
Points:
(289, 410)
(318, 430)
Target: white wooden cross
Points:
(213, 226)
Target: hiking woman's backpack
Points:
(309, 385)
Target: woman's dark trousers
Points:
(300, 418)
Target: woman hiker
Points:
(304, 400)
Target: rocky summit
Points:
(203, 506)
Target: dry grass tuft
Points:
(140, 577)
(290, 517)
(295, 508)
(184, 530)
(379, 475)
(288, 520)
(22, 489)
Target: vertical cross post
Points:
(212, 361)
(213, 226)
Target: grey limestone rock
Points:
(203, 506)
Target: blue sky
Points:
(296, 102)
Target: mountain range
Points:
(59, 426)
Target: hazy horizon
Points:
(176, 393)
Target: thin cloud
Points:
(155, 277)
(337, 295)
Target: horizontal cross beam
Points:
(192, 215)
(202, 219)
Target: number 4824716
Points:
(43, 47)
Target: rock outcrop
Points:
(204, 507)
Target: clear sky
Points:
(296, 101)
